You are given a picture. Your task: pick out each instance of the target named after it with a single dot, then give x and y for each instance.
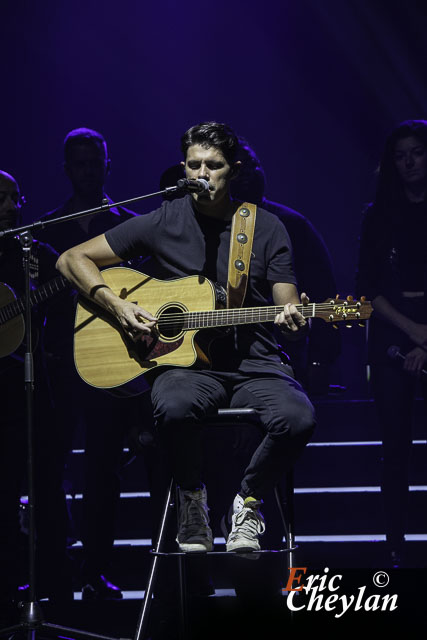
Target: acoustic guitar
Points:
(12, 325)
(107, 358)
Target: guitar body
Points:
(12, 331)
(105, 357)
(185, 308)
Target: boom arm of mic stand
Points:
(105, 206)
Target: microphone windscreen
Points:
(204, 184)
(393, 352)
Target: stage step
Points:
(325, 510)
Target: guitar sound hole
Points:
(171, 322)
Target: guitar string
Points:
(309, 309)
(246, 310)
(12, 309)
(172, 319)
(200, 325)
(242, 314)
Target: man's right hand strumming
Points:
(135, 321)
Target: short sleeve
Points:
(137, 236)
(279, 255)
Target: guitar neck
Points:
(229, 317)
(49, 289)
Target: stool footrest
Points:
(167, 554)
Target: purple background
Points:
(314, 85)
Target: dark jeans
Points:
(181, 398)
(394, 393)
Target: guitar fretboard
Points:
(227, 317)
(15, 308)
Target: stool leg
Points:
(286, 511)
(291, 515)
(142, 625)
(182, 580)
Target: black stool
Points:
(285, 505)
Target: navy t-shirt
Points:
(184, 242)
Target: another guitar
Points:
(107, 358)
(12, 325)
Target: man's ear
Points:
(235, 169)
(182, 163)
(19, 216)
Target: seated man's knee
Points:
(303, 423)
(296, 425)
(172, 401)
(170, 411)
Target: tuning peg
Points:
(335, 326)
(348, 325)
(350, 298)
(362, 323)
(362, 298)
(337, 296)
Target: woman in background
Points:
(393, 274)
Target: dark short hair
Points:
(169, 178)
(83, 136)
(249, 183)
(212, 134)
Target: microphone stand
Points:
(31, 618)
(105, 206)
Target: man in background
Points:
(52, 569)
(87, 165)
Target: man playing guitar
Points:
(191, 236)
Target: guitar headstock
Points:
(338, 309)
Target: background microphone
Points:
(393, 352)
(196, 186)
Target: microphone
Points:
(195, 186)
(393, 352)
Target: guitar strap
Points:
(241, 240)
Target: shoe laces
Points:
(249, 521)
(193, 510)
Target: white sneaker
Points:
(247, 524)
